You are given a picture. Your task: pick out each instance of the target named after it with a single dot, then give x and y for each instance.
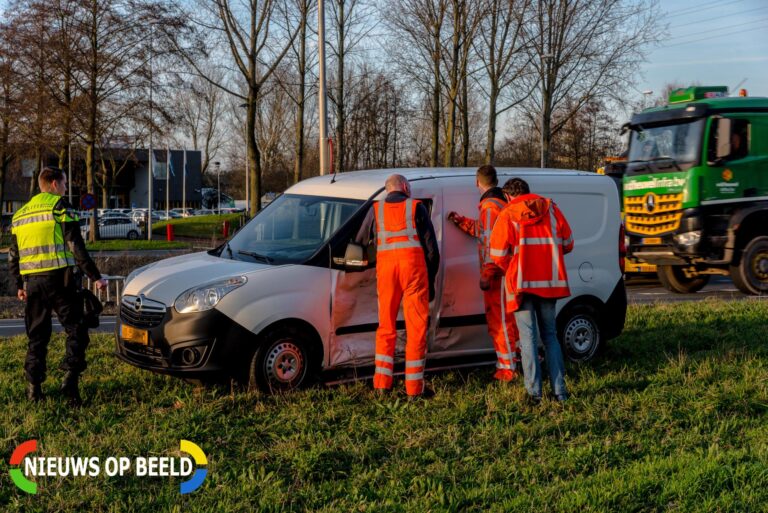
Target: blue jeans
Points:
(537, 314)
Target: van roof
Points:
(364, 184)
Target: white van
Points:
(291, 297)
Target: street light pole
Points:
(321, 97)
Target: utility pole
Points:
(218, 185)
(322, 100)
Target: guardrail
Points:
(113, 282)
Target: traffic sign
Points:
(87, 202)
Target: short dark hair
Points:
(50, 174)
(486, 175)
(516, 187)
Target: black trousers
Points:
(47, 293)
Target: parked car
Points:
(205, 212)
(251, 308)
(114, 227)
(184, 212)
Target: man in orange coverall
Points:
(501, 324)
(407, 260)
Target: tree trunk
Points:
(464, 120)
(490, 144)
(298, 166)
(435, 101)
(254, 154)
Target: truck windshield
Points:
(664, 148)
(290, 230)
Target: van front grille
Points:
(141, 312)
(653, 214)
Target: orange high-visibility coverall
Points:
(401, 273)
(501, 324)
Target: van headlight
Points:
(207, 296)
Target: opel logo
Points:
(650, 202)
(137, 304)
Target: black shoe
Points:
(35, 392)
(71, 390)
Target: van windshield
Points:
(290, 230)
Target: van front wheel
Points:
(282, 361)
(579, 332)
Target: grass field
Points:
(202, 227)
(134, 245)
(673, 416)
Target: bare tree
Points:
(257, 36)
(584, 50)
(199, 112)
(500, 47)
(417, 27)
(351, 22)
(465, 19)
(9, 83)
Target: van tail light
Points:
(622, 248)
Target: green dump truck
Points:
(696, 189)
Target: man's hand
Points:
(101, 284)
(21, 294)
(453, 217)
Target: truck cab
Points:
(696, 189)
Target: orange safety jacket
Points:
(529, 242)
(491, 204)
(396, 233)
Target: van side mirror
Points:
(721, 128)
(354, 257)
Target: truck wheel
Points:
(282, 361)
(751, 275)
(133, 235)
(579, 332)
(674, 279)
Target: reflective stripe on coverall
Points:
(401, 273)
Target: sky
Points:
(710, 42)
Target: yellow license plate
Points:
(652, 240)
(135, 335)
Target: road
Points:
(639, 291)
(11, 327)
(648, 290)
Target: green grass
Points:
(127, 245)
(203, 227)
(671, 417)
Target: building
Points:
(125, 171)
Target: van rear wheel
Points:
(282, 361)
(751, 274)
(674, 279)
(579, 332)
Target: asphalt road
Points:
(648, 290)
(11, 327)
(640, 290)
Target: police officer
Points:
(46, 247)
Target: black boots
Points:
(71, 390)
(34, 392)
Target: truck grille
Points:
(653, 214)
(141, 312)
